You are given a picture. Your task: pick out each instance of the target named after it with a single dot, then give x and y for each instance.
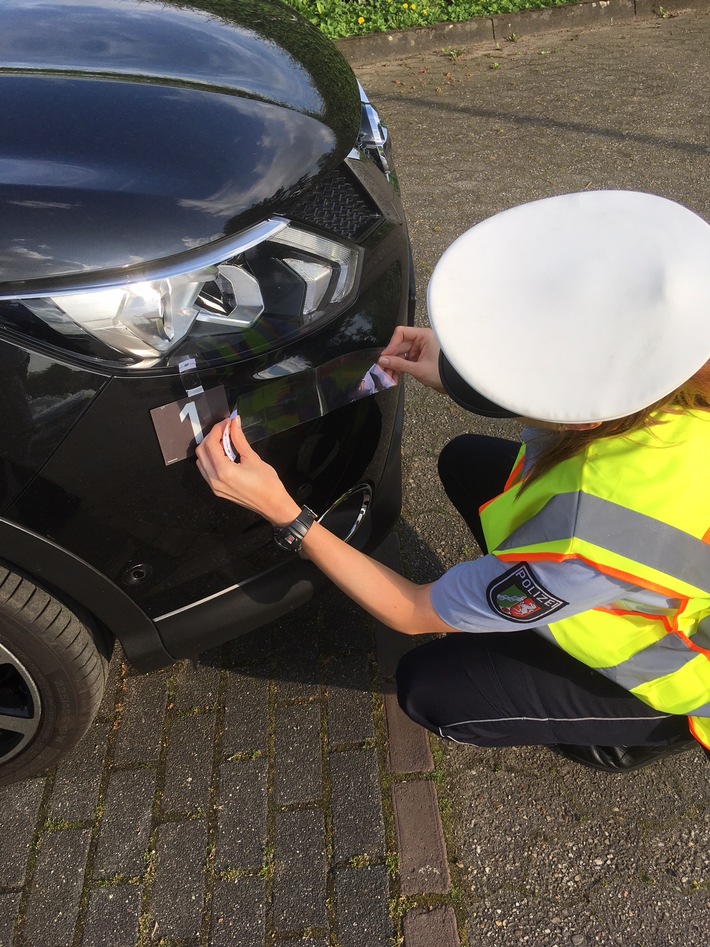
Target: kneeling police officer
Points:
(586, 623)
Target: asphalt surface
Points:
(271, 795)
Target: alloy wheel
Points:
(20, 706)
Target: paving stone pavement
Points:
(251, 799)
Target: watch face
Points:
(290, 537)
(287, 540)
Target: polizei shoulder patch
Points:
(518, 596)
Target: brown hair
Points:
(561, 445)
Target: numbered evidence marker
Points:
(181, 425)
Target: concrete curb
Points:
(421, 841)
(360, 50)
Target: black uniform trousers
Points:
(514, 688)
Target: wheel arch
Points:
(73, 580)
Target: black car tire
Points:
(52, 677)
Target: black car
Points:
(198, 213)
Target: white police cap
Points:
(578, 308)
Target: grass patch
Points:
(341, 18)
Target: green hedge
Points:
(339, 18)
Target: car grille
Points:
(336, 203)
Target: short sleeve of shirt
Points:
(490, 595)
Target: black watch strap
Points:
(290, 537)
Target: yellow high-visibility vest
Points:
(636, 507)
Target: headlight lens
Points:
(265, 286)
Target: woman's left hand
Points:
(413, 351)
(251, 483)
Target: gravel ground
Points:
(544, 852)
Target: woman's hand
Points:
(415, 352)
(251, 483)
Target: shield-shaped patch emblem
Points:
(518, 596)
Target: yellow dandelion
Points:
(405, 6)
(361, 20)
(413, 7)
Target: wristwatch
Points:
(290, 537)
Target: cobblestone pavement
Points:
(253, 798)
(273, 794)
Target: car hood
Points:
(136, 130)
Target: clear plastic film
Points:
(304, 393)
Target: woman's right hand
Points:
(413, 351)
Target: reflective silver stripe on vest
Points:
(622, 531)
(701, 637)
(703, 711)
(662, 657)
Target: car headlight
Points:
(255, 291)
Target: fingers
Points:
(393, 346)
(214, 436)
(406, 338)
(205, 465)
(212, 462)
(236, 433)
(396, 365)
(402, 352)
(222, 475)
(212, 445)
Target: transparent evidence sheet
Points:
(288, 395)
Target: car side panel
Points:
(41, 399)
(75, 582)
